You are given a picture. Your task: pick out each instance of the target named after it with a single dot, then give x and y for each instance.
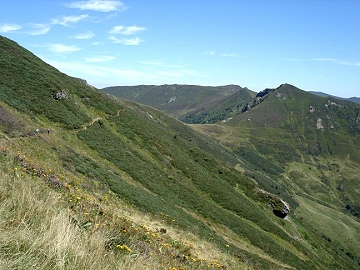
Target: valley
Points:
(117, 184)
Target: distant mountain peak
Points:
(322, 94)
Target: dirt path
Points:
(85, 126)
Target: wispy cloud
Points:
(9, 27)
(98, 5)
(337, 61)
(126, 30)
(99, 59)
(39, 29)
(93, 70)
(295, 59)
(114, 76)
(62, 48)
(69, 20)
(86, 35)
(230, 55)
(328, 60)
(126, 41)
(74, 68)
(209, 53)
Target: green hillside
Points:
(309, 147)
(91, 182)
(192, 104)
(288, 128)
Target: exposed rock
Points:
(311, 109)
(281, 213)
(280, 209)
(263, 93)
(331, 103)
(84, 82)
(59, 95)
(245, 108)
(172, 99)
(319, 124)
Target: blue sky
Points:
(314, 45)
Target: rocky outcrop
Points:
(264, 92)
(59, 95)
(280, 208)
(258, 99)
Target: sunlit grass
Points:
(62, 224)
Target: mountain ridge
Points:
(103, 159)
(352, 99)
(190, 103)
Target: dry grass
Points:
(37, 231)
(37, 234)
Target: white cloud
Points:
(100, 75)
(116, 29)
(86, 35)
(9, 27)
(61, 48)
(98, 5)
(132, 41)
(39, 29)
(230, 55)
(329, 60)
(97, 72)
(76, 68)
(68, 20)
(99, 59)
(209, 53)
(129, 41)
(126, 30)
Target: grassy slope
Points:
(315, 170)
(190, 103)
(79, 224)
(110, 174)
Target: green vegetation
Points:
(192, 104)
(119, 185)
(176, 191)
(43, 90)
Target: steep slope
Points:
(189, 103)
(324, 125)
(288, 125)
(305, 149)
(112, 166)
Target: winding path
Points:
(85, 126)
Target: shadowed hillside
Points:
(91, 182)
(191, 104)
